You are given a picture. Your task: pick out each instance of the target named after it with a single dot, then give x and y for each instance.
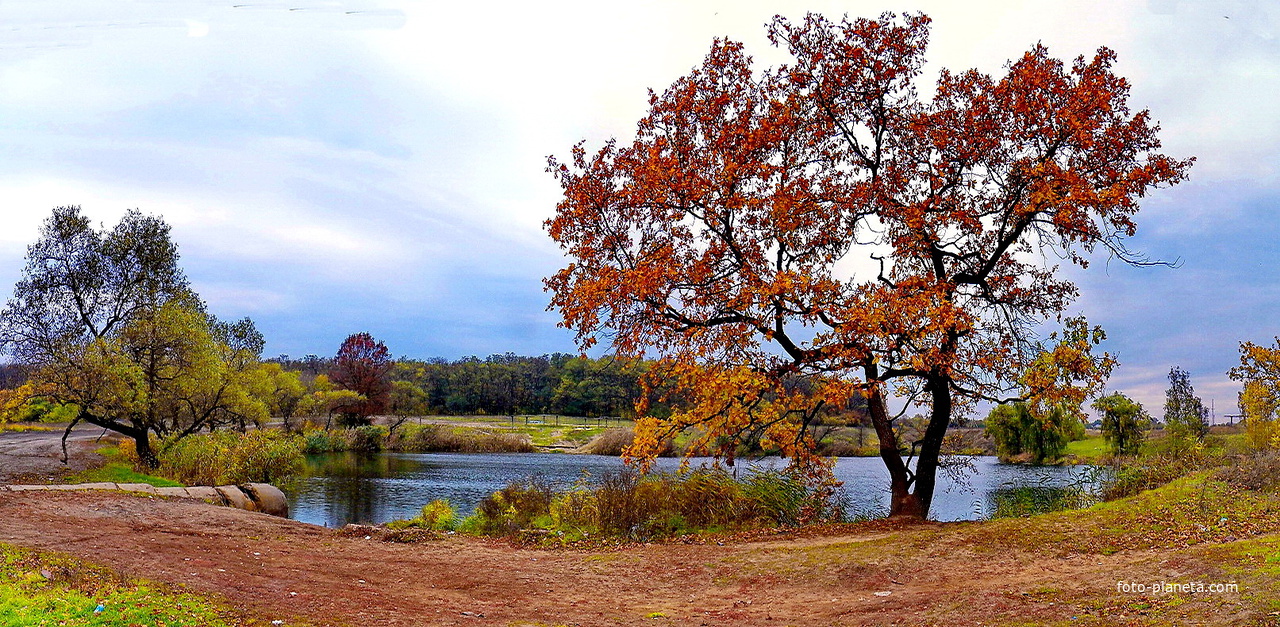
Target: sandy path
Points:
(36, 456)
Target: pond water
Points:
(343, 488)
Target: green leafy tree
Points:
(327, 400)
(1124, 423)
(598, 387)
(1055, 384)
(199, 373)
(1019, 433)
(1004, 425)
(106, 321)
(1184, 413)
(285, 389)
(407, 400)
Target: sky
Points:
(337, 166)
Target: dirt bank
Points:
(281, 569)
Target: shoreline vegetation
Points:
(272, 455)
(611, 436)
(627, 506)
(573, 435)
(1235, 486)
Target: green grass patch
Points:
(119, 469)
(1192, 511)
(551, 436)
(1093, 448)
(38, 589)
(117, 472)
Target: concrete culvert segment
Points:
(254, 497)
(269, 498)
(237, 498)
(207, 494)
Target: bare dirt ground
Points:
(280, 569)
(36, 456)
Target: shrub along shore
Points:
(628, 506)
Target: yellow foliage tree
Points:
(12, 401)
(1259, 371)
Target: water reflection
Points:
(339, 485)
(347, 487)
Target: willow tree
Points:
(105, 320)
(1124, 423)
(823, 220)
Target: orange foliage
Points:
(820, 219)
(1067, 374)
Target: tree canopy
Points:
(105, 320)
(1185, 415)
(820, 219)
(1259, 371)
(363, 366)
(1124, 423)
(1022, 435)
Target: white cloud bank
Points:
(334, 166)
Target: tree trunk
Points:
(911, 490)
(902, 502)
(930, 451)
(140, 434)
(142, 442)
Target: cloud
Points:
(362, 165)
(247, 301)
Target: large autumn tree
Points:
(823, 220)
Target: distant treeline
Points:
(12, 376)
(500, 384)
(505, 384)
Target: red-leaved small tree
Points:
(363, 365)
